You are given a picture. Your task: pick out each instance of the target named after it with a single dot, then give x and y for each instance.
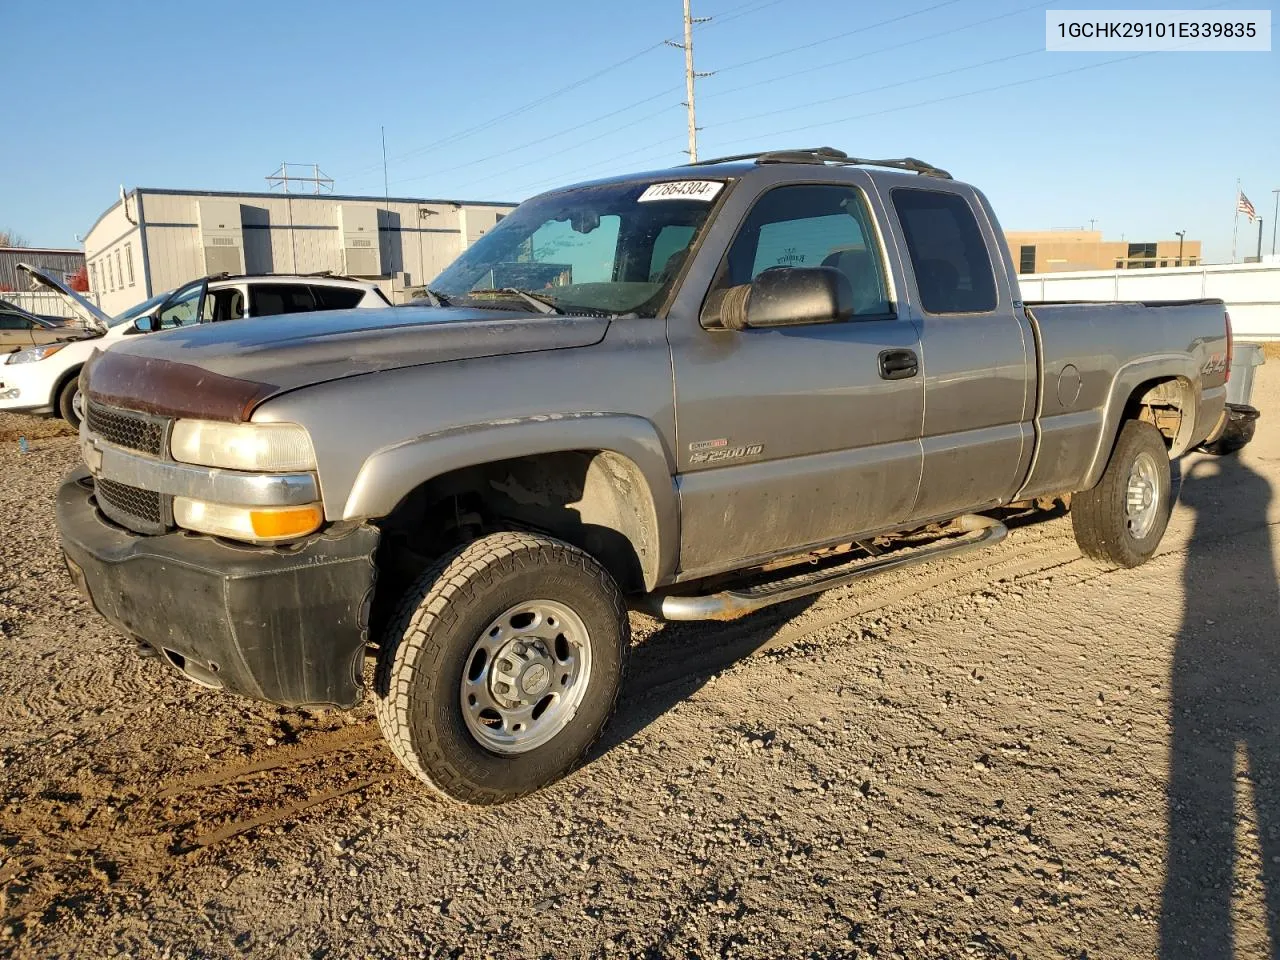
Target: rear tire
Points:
(1122, 520)
(70, 403)
(501, 667)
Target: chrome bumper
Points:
(167, 477)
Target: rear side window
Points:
(948, 253)
(10, 321)
(336, 298)
(276, 298)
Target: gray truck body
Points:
(676, 452)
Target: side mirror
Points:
(146, 323)
(783, 297)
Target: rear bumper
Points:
(284, 625)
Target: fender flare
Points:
(392, 473)
(1127, 379)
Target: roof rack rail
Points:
(825, 155)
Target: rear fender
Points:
(1127, 380)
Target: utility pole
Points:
(689, 76)
(1092, 221)
(1258, 258)
(1181, 235)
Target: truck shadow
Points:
(1225, 714)
(678, 659)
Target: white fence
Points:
(1251, 291)
(45, 302)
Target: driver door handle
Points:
(898, 364)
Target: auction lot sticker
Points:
(1175, 31)
(704, 190)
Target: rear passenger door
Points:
(977, 353)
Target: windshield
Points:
(144, 307)
(613, 249)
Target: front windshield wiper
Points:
(435, 298)
(539, 302)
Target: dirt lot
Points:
(1015, 753)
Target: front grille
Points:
(141, 510)
(133, 430)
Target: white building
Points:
(153, 240)
(1251, 291)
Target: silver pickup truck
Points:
(696, 391)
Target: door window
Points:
(947, 250)
(224, 304)
(812, 225)
(336, 298)
(272, 299)
(184, 309)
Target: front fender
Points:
(392, 473)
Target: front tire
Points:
(501, 667)
(1122, 520)
(71, 402)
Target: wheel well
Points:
(594, 499)
(1164, 402)
(63, 380)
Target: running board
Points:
(731, 604)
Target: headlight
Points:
(32, 354)
(262, 524)
(243, 446)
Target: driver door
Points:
(797, 436)
(184, 308)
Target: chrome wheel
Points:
(77, 404)
(1142, 496)
(525, 676)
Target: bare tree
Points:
(11, 238)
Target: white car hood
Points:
(93, 317)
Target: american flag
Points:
(1244, 206)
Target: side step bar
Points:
(731, 604)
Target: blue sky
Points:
(216, 96)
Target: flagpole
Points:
(1235, 229)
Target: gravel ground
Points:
(1013, 753)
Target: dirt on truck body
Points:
(699, 392)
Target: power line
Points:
(574, 147)
(839, 36)
(516, 111)
(662, 146)
(954, 96)
(887, 86)
(734, 13)
(554, 136)
(878, 50)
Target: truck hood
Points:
(212, 368)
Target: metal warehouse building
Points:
(153, 240)
(59, 261)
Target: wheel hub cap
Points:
(1142, 496)
(525, 676)
(521, 672)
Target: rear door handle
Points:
(898, 364)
